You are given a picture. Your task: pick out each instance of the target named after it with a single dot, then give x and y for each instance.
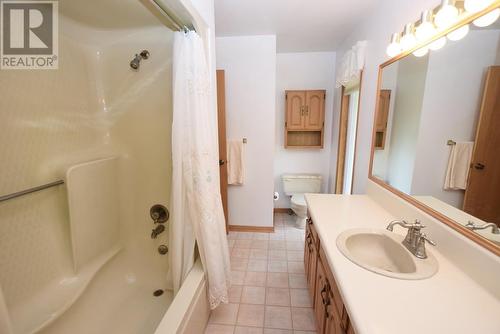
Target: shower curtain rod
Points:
(175, 21)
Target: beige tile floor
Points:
(269, 293)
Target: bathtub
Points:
(119, 299)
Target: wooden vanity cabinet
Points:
(331, 315)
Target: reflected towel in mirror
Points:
(457, 172)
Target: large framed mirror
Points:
(436, 137)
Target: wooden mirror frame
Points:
(489, 245)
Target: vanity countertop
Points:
(448, 302)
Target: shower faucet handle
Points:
(157, 231)
(159, 214)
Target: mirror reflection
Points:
(437, 130)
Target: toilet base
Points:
(300, 222)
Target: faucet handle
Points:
(418, 225)
(430, 241)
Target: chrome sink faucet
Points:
(472, 226)
(415, 239)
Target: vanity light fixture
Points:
(447, 14)
(421, 52)
(426, 28)
(487, 19)
(437, 44)
(442, 19)
(408, 39)
(394, 47)
(458, 34)
(474, 6)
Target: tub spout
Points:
(157, 230)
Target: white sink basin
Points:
(381, 252)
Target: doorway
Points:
(348, 127)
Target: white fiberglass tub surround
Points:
(93, 107)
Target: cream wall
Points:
(389, 16)
(301, 71)
(408, 98)
(249, 63)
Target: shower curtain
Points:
(197, 212)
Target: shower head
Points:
(136, 62)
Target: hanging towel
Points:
(457, 172)
(235, 163)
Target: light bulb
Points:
(447, 14)
(425, 29)
(438, 44)
(421, 52)
(487, 19)
(459, 33)
(408, 40)
(474, 6)
(394, 48)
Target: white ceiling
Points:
(300, 25)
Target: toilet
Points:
(296, 185)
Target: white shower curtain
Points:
(195, 199)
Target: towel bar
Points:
(30, 190)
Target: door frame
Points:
(342, 139)
(221, 133)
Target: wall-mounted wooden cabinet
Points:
(305, 118)
(384, 101)
(331, 315)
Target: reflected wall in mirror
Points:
(437, 130)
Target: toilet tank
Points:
(301, 183)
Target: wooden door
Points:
(295, 109)
(482, 197)
(320, 300)
(315, 110)
(221, 120)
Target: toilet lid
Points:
(298, 199)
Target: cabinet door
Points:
(383, 109)
(315, 110)
(320, 299)
(307, 252)
(311, 261)
(333, 324)
(295, 109)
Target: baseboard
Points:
(243, 228)
(282, 210)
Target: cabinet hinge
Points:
(285, 124)
(286, 96)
